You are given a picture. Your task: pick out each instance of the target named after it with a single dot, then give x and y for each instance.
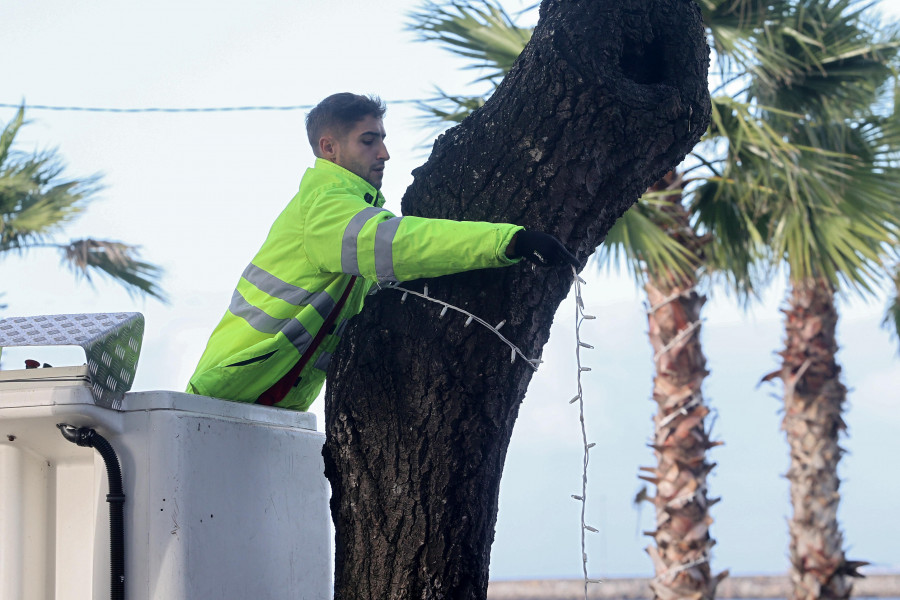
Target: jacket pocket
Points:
(244, 376)
(255, 359)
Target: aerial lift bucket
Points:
(222, 499)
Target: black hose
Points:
(87, 437)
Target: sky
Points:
(198, 192)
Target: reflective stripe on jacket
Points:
(335, 227)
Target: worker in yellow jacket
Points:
(331, 243)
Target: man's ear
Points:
(328, 147)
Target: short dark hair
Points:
(338, 113)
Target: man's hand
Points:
(540, 249)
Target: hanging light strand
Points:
(580, 317)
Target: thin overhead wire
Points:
(163, 109)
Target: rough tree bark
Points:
(605, 99)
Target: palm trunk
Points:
(683, 542)
(813, 403)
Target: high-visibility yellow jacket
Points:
(334, 228)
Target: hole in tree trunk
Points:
(643, 62)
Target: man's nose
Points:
(383, 153)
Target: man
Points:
(331, 243)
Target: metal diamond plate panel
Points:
(111, 342)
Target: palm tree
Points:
(679, 234)
(36, 202)
(681, 555)
(833, 224)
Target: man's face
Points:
(362, 150)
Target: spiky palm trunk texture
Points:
(813, 403)
(681, 439)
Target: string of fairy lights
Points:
(580, 317)
(514, 350)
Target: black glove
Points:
(542, 249)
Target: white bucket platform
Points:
(223, 500)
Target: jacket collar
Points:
(354, 181)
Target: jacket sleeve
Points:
(343, 234)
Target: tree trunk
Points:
(419, 410)
(681, 557)
(683, 542)
(813, 403)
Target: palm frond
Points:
(9, 135)
(840, 59)
(451, 109)
(447, 110)
(724, 210)
(29, 213)
(737, 30)
(115, 260)
(846, 215)
(641, 240)
(36, 202)
(891, 320)
(478, 30)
